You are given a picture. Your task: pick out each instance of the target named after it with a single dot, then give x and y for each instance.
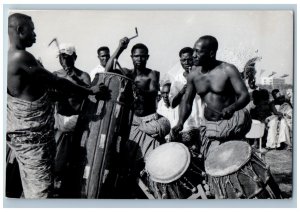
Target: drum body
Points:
(234, 171)
(102, 129)
(171, 172)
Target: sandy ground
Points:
(280, 162)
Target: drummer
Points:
(148, 128)
(66, 111)
(222, 91)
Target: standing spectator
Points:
(103, 56)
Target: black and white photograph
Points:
(150, 104)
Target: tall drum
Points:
(235, 172)
(102, 130)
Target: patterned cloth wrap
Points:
(30, 135)
(214, 132)
(146, 134)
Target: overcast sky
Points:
(241, 35)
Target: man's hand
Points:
(175, 132)
(101, 91)
(228, 112)
(124, 43)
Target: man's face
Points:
(201, 53)
(27, 35)
(186, 60)
(103, 57)
(67, 61)
(165, 93)
(139, 58)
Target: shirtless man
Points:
(30, 114)
(67, 58)
(66, 115)
(148, 128)
(222, 91)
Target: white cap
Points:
(66, 48)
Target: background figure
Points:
(289, 96)
(261, 110)
(103, 56)
(178, 88)
(164, 108)
(280, 124)
(66, 115)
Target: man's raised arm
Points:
(122, 45)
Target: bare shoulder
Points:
(128, 73)
(20, 60)
(21, 57)
(193, 74)
(83, 74)
(230, 69)
(155, 74)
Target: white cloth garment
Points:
(280, 131)
(167, 112)
(97, 69)
(65, 123)
(197, 113)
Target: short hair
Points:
(139, 46)
(102, 48)
(274, 92)
(166, 84)
(18, 19)
(213, 43)
(264, 94)
(185, 50)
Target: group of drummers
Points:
(43, 110)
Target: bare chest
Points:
(142, 81)
(71, 77)
(215, 82)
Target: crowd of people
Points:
(203, 106)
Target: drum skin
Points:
(171, 172)
(102, 130)
(225, 160)
(244, 176)
(168, 162)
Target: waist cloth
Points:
(234, 128)
(146, 134)
(30, 135)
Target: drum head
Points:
(227, 158)
(168, 162)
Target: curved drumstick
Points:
(56, 43)
(136, 34)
